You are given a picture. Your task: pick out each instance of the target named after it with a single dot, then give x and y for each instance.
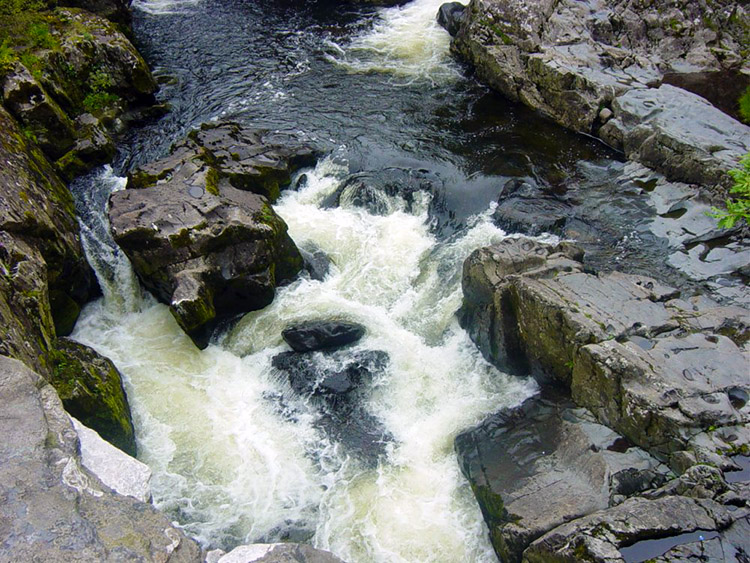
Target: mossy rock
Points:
(91, 390)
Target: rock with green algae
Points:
(201, 245)
(90, 387)
(83, 78)
(53, 508)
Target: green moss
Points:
(212, 181)
(744, 105)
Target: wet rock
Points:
(542, 464)
(90, 387)
(333, 376)
(117, 11)
(579, 62)
(385, 191)
(610, 534)
(338, 381)
(123, 474)
(677, 133)
(67, 513)
(317, 263)
(204, 247)
(621, 343)
(45, 277)
(252, 160)
(450, 16)
(278, 553)
(317, 335)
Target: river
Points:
(237, 456)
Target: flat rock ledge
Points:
(612, 69)
(658, 386)
(199, 237)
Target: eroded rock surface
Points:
(201, 245)
(54, 509)
(658, 369)
(587, 63)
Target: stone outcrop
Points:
(198, 238)
(317, 335)
(669, 375)
(658, 369)
(585, 64)
(88, 75)
(53, 508)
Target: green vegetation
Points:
(99, 96)
(738, 205)
(744, 104)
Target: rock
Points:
(450, 16)
(278, 553)
(337, 381)
(207, 249)
(610, 534)
(90, 387)
(123, 474)
(574, 60)
(317, 335)
(253, 160)
(317, 263)
(545, 463)
(382, 192)
(677, 133)
(54, 509)
(117, 11)
(45, 277)
(641, 360)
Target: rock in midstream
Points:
(198, 237)
(321, 334)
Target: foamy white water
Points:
(405, 41)
(163, 7)
(233, 465)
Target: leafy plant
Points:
(41, 37)
(738, 205)
(8, 57)
(99, 96)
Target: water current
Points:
(237, 456)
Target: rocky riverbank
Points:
(643, 77)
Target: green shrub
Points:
(8, 57)
(99, 96)
(738, 205)
(41, 37)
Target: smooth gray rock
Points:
(545, 463)
(450, 15)
(116, 469)
(53, 509)
(322, 334)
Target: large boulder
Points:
(53, 508)
(660, 370)
(585, 63)
(201, 245)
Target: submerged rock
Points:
(210, 251)
(277, 553)
(317, 335)
(53, 508)
(338, 381)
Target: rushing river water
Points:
(237, 456)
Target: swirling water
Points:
(237, 456)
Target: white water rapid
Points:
(239, 457)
